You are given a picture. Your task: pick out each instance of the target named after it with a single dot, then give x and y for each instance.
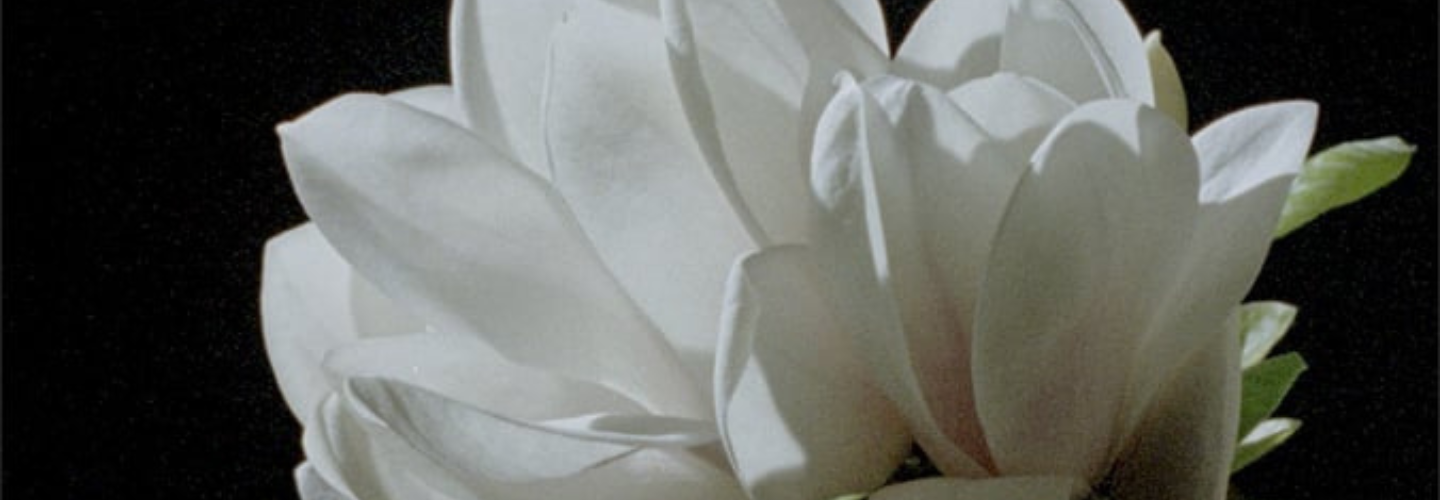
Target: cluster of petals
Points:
(657, 249)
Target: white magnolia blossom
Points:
(992, 244)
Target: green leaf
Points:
(1262, 325)
(1270, 434)
(1264, 386)
(1341, 175)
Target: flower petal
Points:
(1247, 162)
(1169, 90)
(439, 100)
(868, 229)
(497, 60)
(800, 416)
(475, 244)
(1001, 488)
(1089, 49)
(953, 41)
(1184, 445)
(1093, 231)
(752, 75)
(365, 461)
(314, 487)
(1017, 111)
(623, 159)
(305, 312)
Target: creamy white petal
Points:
(1002, 488)
(1089, 49)
(314, 487)
(366, 461)
(1016, 111)
(305, 312)
(624, 161)
(469, 371)
(1247, 162)
(1094, 230)
(1169, 89)
(867, 233)
(800, 415)
(1184, 445)
(953, 41)
(497, 61)
(473, 243)
(647, 474)
(753, 75)
(439, 100)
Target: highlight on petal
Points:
(1169, 90)
(1000, 488)
(497, 60)
(1256, 145)
(798, 411)
(1069, 289)
(1089, 49)
(624, 161)
(474, 244)
(952, 42)
(1183, 446)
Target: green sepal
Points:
(1341, 175)
(1264, 386)
(1267, 436)
(1262, 325)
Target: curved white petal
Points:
(1001, 488)
(647, 474)
(497, 61)
(439, 100)
(305, 312)
(1169, 90)
(868, 235)
(752, 75)
(953, 41)
(364, 461)
(314, 487)
(474, 244)
(1089, 49)
(469, 371)
(1094, 230)
(624, 160)
(1247, 162)
(799, 413)
(1184, 444)
(1016, 111)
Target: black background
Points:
(142, 177)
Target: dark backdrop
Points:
(141, 177)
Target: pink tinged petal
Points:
(1247, 162)
(497, 60)
(1000, 488)
(314, 487)
(1017, 111)
(1094, 231)
(475, 244)
(953, 41)
(624, 161)
(800, 416)
(1184, 444)
(365, 461)
(305, 312)
(1089, 49)
(867, 234)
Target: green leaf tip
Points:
(1264, 386)
(1267, 436)
(1342, 175)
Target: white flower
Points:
(515, 287)
(1031, 263)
